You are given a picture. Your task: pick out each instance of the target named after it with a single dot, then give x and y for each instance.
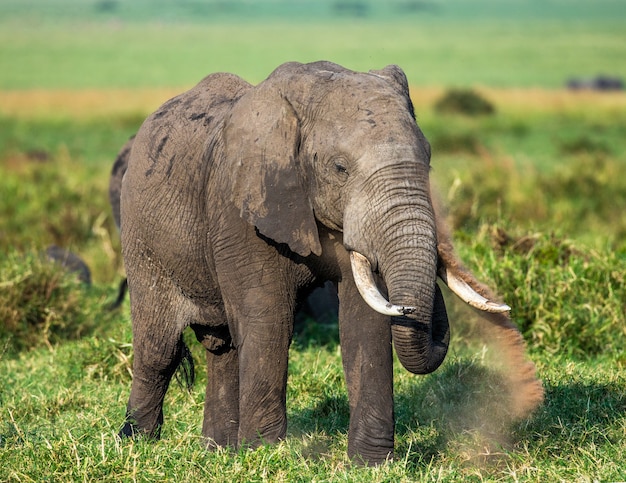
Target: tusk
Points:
(469, 295)
(365, 283)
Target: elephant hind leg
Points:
(158, 350)
(151, 378)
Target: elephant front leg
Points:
(368, 366)
(259, 301)
(263, 358)
(261, 330)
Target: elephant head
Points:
(318, 143)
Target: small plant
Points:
(64, 191)
(464, 101)
(584, 144)
(106, 5)
(456, 143)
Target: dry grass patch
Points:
(83, 104)
(96, 103)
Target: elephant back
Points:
(174, 135)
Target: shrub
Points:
(72, 204)
(464, 101)
(566, 298)
(579, 196)
(456, 142)
(586, 193)
(584, 144)
(40, 303)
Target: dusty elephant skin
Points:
(237, 199)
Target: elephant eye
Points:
(340, 167)
(337, 169)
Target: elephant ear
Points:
(397, 78)
(261, 139)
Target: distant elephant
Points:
(115, 188)
(598, 83)
(238, 198)
(70, 261)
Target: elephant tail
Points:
(121, 294)
(185, 372)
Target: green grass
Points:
(535, 193)
(65, 430)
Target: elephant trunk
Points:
(406, 255)
(421, 337)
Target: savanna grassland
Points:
(535, 192)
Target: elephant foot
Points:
(372, 452)
(371, 458)
(131, 430)
(127, 431)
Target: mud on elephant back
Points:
(236, 199)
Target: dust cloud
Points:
(508, 392)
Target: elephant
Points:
(70, 261)
(237, 199)
(115, 188)
(599, 83)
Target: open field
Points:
(144, 44)
(434, 53)
(536, 196)
(103, 104)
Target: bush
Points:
(40, 303)
(69, 197)
(456, 142)
(579, 196)
(464, 101)
(566, 298)
(586, 194)
(51, 199)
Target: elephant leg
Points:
(261, 330)
(367, 358)
(157, 352)
(221, 404)
(259, 295)
(263, 357)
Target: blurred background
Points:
(522, 99)
(69, 44)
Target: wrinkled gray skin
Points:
(238, 199)
(115, 191)
(115, 181)
(321, 303)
